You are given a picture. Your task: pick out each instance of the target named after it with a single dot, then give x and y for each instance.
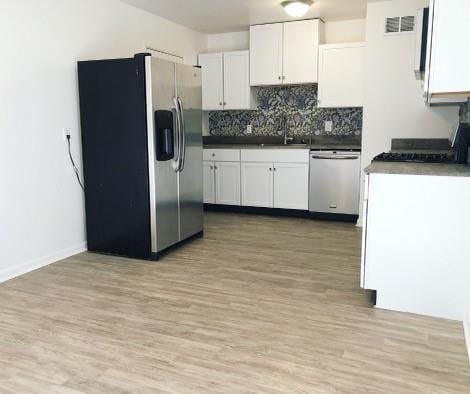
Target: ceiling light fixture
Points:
(297, 8)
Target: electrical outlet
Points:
(65, 133)
(249, 129)
(328, 125)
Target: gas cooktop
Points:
(416, 157)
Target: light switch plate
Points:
(249, 129)
(328, 125)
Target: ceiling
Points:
(223, 16)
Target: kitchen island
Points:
(415, 237)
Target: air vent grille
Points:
(393, 25)
(400, 24)
(407, 23)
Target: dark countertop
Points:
(281, 146)
(433, 169)
(261, 142)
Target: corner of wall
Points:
(17, 270)
(466, 326)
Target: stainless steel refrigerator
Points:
(141, 123)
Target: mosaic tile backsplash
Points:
(298, 103)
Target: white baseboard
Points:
(466, 326)
(40, 262)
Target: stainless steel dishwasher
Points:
(334, 182)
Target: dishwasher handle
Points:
(335, 157)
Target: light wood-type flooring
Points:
(260, 305)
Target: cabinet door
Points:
(227, 183)
(300, 54)
(365, 208)
(291, 186)
(212, 81)
(266, 54)
(209, 182)
(341, 75)
(237, 80)
(257, 184)
(448, 49)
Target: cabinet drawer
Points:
(222, 154)
(275, 155)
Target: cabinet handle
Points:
(213, 154)
(279, 77)
(225, 103)
(275, 169)
(283, 77)
(212, 167)
(221, 103)
(270, 169)
(215, 167)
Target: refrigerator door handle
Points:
(183, 134)
(177, 128)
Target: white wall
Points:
(394, 106)
(41, 205)
(345, 31)
(225, 42)
(335, 32)
(466, 325)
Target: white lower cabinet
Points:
(406, 258)
(257, 184)
(209, 182)
(227, 183)
(222, 183)
(275, 185)
(291, 185)
(268, 178)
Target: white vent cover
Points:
(400, 24)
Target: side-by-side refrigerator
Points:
(141, 122)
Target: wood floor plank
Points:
(259, 305)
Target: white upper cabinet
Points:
(341, 79)
(266, 54)
(226, 81)
(212, 65)
(448, 55)
(300, 51)
(237, 90)
(285, 53)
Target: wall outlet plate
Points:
(328, 125)
(249, 129)
(65, 133)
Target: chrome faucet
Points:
(285, 128)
